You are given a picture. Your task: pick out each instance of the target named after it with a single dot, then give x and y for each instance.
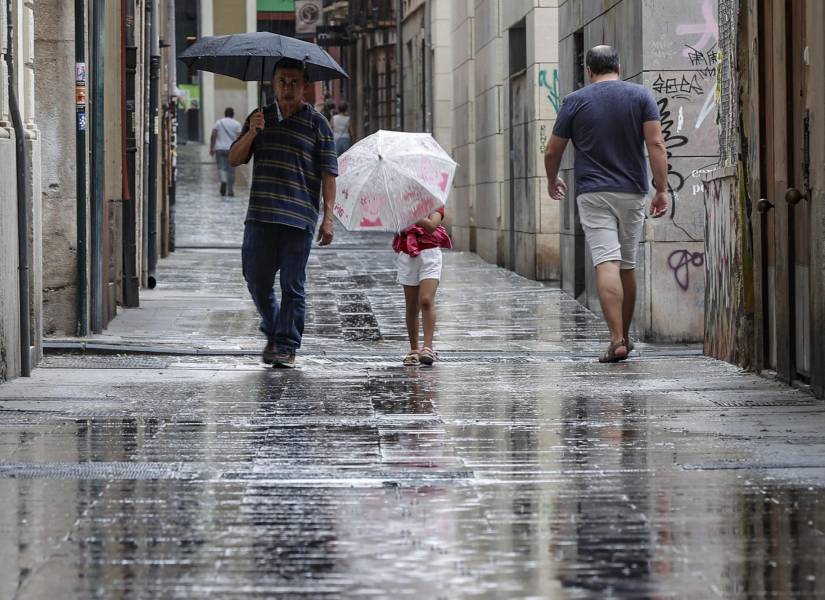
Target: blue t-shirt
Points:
(604, 121)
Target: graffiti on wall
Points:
(683, 88)
(680, 263)
(680, 94)
(729, 287)
(551, 88)
(705, 62)
(543, 138)
(720, 274)
(707, 30)
(675, 179)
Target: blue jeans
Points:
(225, 170)
(342, 144)
(267, 249)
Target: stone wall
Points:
(55, 80)
(442, 73)
(9, 298)
(505, 77)
(462, 199)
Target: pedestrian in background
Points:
(224, 134)
(419, 272)
(295, 163)
(328, 109)
(610, 122)
(341, 130)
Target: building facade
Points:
(427, 87)
(765, 245)
(224, 17)
(88, 207)
(374, 91)
(21, 206)
(505, 73)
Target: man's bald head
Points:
(602, 60)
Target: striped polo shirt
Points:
(290, 156)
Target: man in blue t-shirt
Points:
(295, 164)
(610, 122)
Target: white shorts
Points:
(427, 265)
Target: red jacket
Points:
(415, 239)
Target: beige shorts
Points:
(612, 223)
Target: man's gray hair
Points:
(602, 60)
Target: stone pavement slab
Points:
(171, 463)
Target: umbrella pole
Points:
(261, 93)
(261, 88)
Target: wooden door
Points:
(785, 255)
(798, 192)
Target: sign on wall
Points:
(308, 16)
(337, 35)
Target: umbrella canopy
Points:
(391, 179)
(253, 56)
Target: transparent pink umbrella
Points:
(391, 179)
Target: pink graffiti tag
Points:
(709, 30)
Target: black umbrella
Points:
(253, 56)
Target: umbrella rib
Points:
(356, 192)
(389, 201)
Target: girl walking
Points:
(419, 272)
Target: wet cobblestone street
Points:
(168, 462)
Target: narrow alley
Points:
(162, 459)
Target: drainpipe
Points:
(171, 69)
(98, 168)
(80, 160)
(22, 206)
(400, 62)
(131, 281)
(429, 116)
(154, 79)
(147, 126)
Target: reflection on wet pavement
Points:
(515, 468)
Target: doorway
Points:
(785, 186)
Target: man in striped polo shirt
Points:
(295, 162)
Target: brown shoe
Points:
(284, 360)
(268, 355)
